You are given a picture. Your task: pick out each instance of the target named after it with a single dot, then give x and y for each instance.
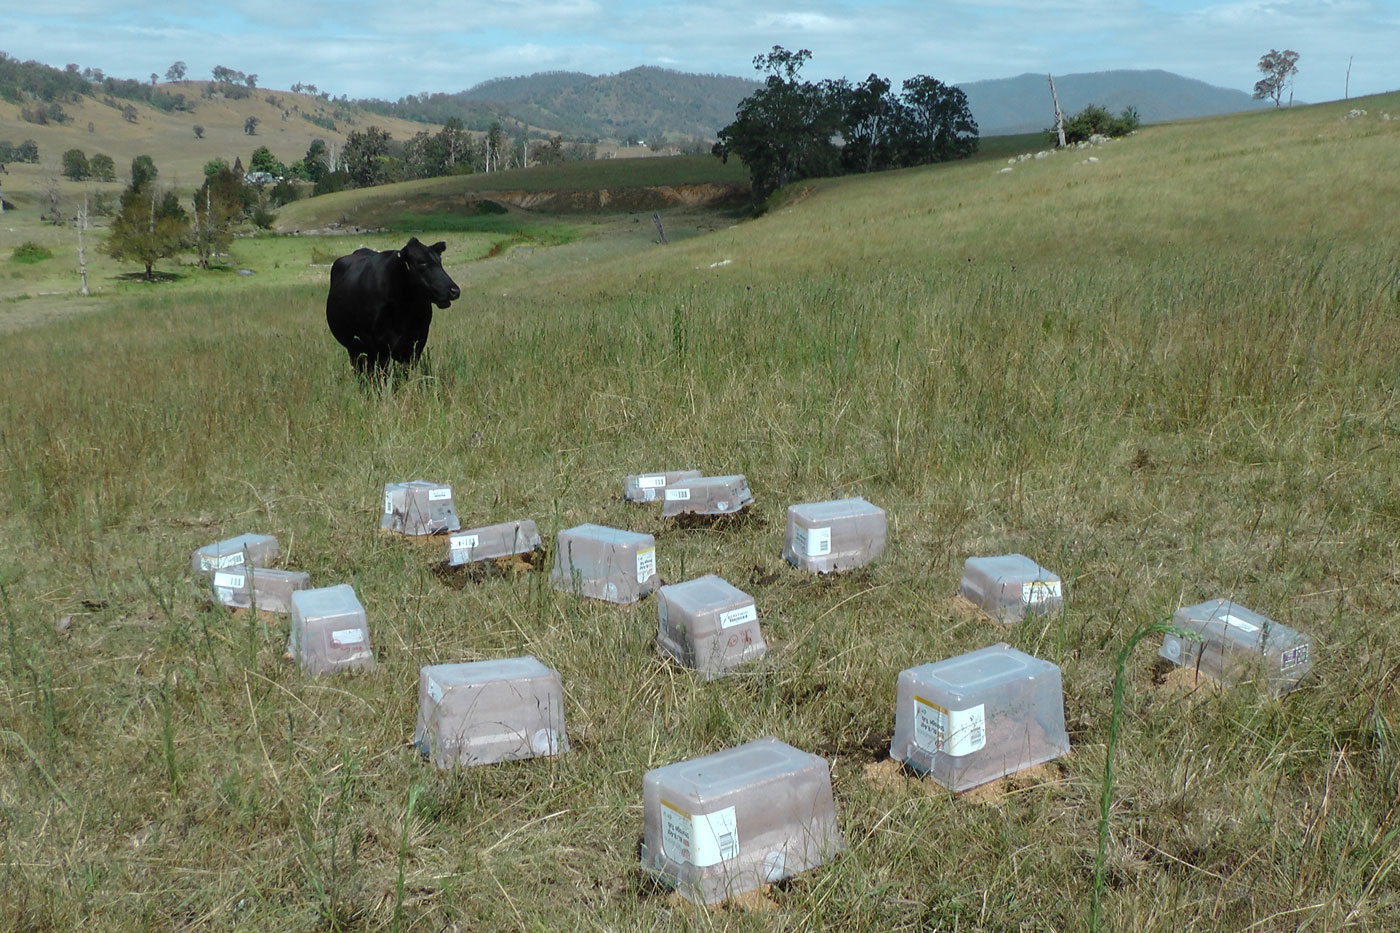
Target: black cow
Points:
(381, 303)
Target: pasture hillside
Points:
(283, 127)
(1168, 375)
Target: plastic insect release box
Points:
(329, 630)
(1010, 587)
(492, 541)
(1238, 644)
(605, 563)
(254, 550)
(650, 487)
(732, 821)
(979, 717)
(483, 712)
(418, 507)
(829, 536)
(707, 495)
(708, 624)
(259, 588)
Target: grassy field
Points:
(1168, 376)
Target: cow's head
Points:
(424, 264)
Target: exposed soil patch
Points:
(893, 775)
(461, 576)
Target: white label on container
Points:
(818, 542)
(437, 495)
(463, 542)
(233, 580)
(646, 564)
(434, 690)
(738, 616)
(1038, 591)
(348, 636)
(953, 732)
(1248, 628)
(388, 503)
(227, 560)
(701, 839)
(677, 495)
(653, 481)
(1293, 657)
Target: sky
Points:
(389, 50)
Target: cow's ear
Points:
(438, 247)
(412, 242)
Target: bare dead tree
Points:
(1059, 116)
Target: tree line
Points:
(791, 129)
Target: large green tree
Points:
(218, 208)
(784, 130)
(367, 157)
(941, 126)
(149, 226)
(75, 165)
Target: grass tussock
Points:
(1167, 376)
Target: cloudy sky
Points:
(387, 50)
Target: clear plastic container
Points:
(418, 507)
(729, 822)
(258, 587)
(826, 537)
(649, 487)
(605, 563)
(482, 712)
(329, 630)
(1010, 587)
(707, 495)
(1239, 645)
(492, 541)
(253, 550)
(979, 717)
(708, 625)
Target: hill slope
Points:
(1022, 104)
(284, 125)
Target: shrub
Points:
(30, 252)
(1094, 120)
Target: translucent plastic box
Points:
(259, 588)
(708, 625)
(418, 507)
(256, 550)
(605, 563)
(1009, 587)
(732, 821)
(1239, 644)
(329, 630)
(979, 717)
(649, 487)
(482, 712)
(707, 495)
(829, 536)
(492, 541)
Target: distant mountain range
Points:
(638, 104)
(1023, 105)
(650, 103)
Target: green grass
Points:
(1167, 376)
